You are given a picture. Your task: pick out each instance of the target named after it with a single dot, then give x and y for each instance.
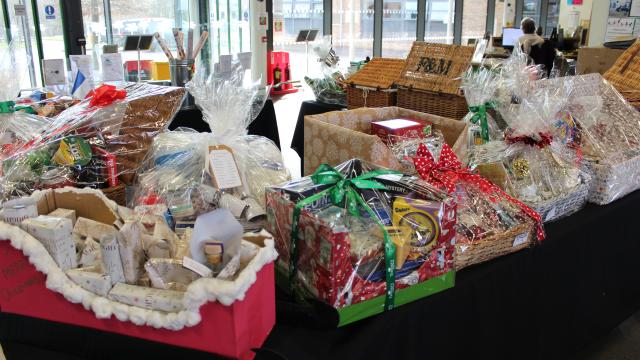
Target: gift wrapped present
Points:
(195, 173)
(533, 163)
(607, 128)
(490, 223)
(362, 239)
(338, 136)
(95, 143)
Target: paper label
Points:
(83, 64)
(196, 267)
(21, 10)
(551, 214)
(112, 67)
(53, 70)
(224, 170)
(521, 239)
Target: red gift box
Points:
(231, 331)
(388, 130)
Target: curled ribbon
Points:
(541, 139)
(343, 192)
(448, 171)
(105, 95)
(480, 116)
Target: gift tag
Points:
(521, 239)
(196, 267)
(223, 168)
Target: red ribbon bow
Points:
(105, 95)
(448, 171)
(540, 139)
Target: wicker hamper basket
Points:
(430, 80)
(624, 75)
(491, 247)
(373, 85)
(116, 193)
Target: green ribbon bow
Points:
(7, 107)
(344, 192)
(480, 115)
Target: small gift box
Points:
(389, 130)
(365, 241)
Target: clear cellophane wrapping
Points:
(607, 128)
(480, 87)
(535, 163)
(177, 171)
(98, 143)
(340, 255)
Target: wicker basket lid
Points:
(379, 73)
(624, 75)
(436, 67)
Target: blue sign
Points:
(50, 11)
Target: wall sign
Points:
(50, 12)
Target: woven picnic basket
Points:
(624, 75)
(374, 84)
(430, 80)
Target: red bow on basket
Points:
(448, 171)
(540, 139)
(105, 95)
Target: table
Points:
(264, 125)
(547, 302)
(311, 107)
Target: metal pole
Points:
(7, 21)
(422, 8)
(491, 16)
(377, 27)
(38, 34)
(27, 45)
(457, 22)
(107, 21)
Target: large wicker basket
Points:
(565, 205)
(373, 85)
(624, 75)
(430, 80)
(116, 193)
(491, 247)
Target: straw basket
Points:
(373, 85)
(116, 193)
(430, 80)
(624, 75)
(515, 239)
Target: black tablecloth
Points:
(547, 302)
(311, 107)
(265, 124)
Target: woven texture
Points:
(445, 105)
(436, 67)
(562, 206)
(117, 194)
(357, 98)
(494, 246)
(379, 73)
(624, 75)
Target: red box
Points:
(230, 331)
(387, 130)
(278, 62)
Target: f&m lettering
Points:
(434, 66)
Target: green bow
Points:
(343, 192)
(7, 106)
(480, 115)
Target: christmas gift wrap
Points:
(361, 238)
(55, 234)
(147, 298)
(490, 223)
(91, 279)
(338, 136)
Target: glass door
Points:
(24, 42)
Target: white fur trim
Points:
(197, 294)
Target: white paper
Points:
(619, 28)
(225, 63)
(54, 73)
(82, 63)
(196, 267)
(112, 67)
(635, 8)
(245, 59)
(521, 239)
(224, 169)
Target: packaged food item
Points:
(351, 234)
(480, 86)
(147, 298)
(55, 234)
(216, 239)
(389, 130)
(91, 279)
(91, 228)
(169, 274)
(111, 262)
(17, 210)
(65, 213)
(131, 250)
(90, 255)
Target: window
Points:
(289, 17)
(352, 27)
(95, 30)
(474, 20)
(24, 42)
(439, 21)
(399, 27)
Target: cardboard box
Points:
(596, 59)
(338, 136)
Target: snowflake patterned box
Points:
(338, 136)
(367, 238)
